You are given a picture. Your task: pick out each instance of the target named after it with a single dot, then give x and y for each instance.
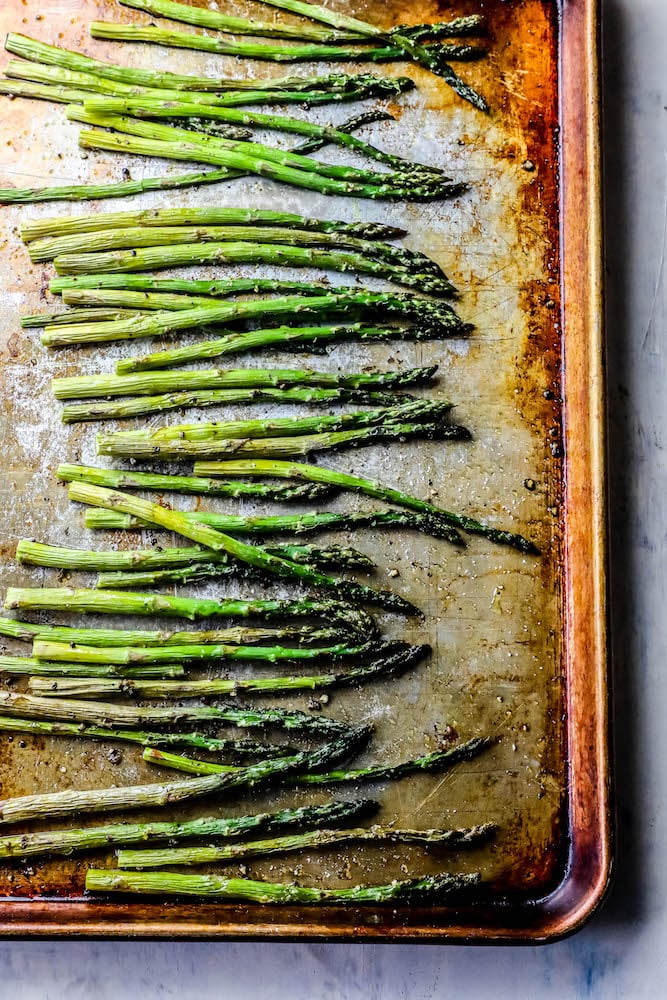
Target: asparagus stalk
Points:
(329, 89)
(318, 474)
(430, 889)
(293, 523)
(166, 402)
(109, 714)
(38, 229)
(70, 803)
(42, 668)
(429, 763)
(53, 55)
(285, 447)
(38, 554)
(204, 18)
(108, 637)
(84, 386)
(150, 107)
(121, 189)
(283, 336)
(439, 315)
(278, 163)
(97, 837)
(238, 748)
(217, 288)
(312, 51)
(264, 161)
(173, 254)
(409, 46)
(44, 649)
(73, 243)
(129, 479)
(37, 320)
(133, 579)
(313, 840)
(81, 687)
(414, 410)
(81, 600)
(175, 521)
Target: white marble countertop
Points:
(622, 952)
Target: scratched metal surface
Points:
(492, 615)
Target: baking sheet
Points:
(493, 616)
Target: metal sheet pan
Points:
(519, 644)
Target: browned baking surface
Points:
(518, 642)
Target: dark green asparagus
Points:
(203, 534)
(80, 687)
(428, 890)
(85, 386)
(241, 749)
(293, 523)
(69, 803)
(98, 837)
(429, 763)
(43, 668)
(68, 599)
(313, 473)
(107, 714)
(320, 839)
(109, 637)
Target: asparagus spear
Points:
(312, 473)
(150, 107)
(411, 48)
(293, 523)
(264, 161)
(204, 18)
(70, 803)
(164, 403)
(97, 837)
(238, 748)
(109, 637)
(313, 840)
(43, 668)
(414, 410)
(131, 480)
(276, 162)
(259, 339)
(44, 649)
(329, 89)
(439, 315)
(185, 557)
(84, 386)
(121, 189)
(285, 447)
(429, 763)
(68, 599)
(91, 687)
(30, 48)
(430, 889)
(217, 288)
(108, 714)
(311, 51)
(173, 254)
(396, 257)
(37, 320)
(64, 225)
(175, 521)
(141, 580)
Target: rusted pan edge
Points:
(587, 871)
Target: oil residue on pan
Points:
(493, 616)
